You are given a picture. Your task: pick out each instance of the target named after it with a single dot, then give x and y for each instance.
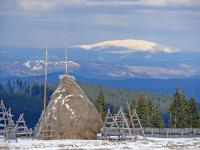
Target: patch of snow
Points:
(58, 98)
(66, 99)
(67, 106)
(73, 114)
(56, 101)
(66, 75)
(62, 102)
(61, 76)
(36, 68)
(48, 114)
(56, 91)
(54, 108)
(81, 96)
(27, 64)
(69, 96)
(73, 64)
(130, 45)
(72, 77)
(150, 143)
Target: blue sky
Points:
(34, 23)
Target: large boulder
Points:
(72, 112)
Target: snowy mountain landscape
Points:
(118, 59)
(128, 61)
(99, 74)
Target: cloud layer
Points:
(34, 23)
(49, 4)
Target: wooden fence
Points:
(172, 132)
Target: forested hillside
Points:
(27, 97)
(119, 96)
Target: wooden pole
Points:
(131, 118)
(65, 41)
(45, 79)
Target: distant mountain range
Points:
(118, 59)
(128, 63)
(35, 67)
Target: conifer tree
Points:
(101, 105)
(156, 118)
(178, 115)
(9, 86)
(1, 88)
(193, 115)
(150, 113)
(133, 105)
(142, 110)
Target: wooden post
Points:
(3, 122)
(45, 79)
(167, 133)
(65, 41)
(131, 117)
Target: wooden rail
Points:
(172, 132)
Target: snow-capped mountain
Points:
(132, 58)
(129, 46)
(23, 68)
(39, 65)
(117, 59)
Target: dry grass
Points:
(77, 117)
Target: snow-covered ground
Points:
(150, 143)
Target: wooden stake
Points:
(45, 79)
(131, 118)
(65, 41)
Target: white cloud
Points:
(111, 20)
(130, 45)
(37, 4)
(80, 22)
(50, 4)
(184, 3)
(168, 2)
